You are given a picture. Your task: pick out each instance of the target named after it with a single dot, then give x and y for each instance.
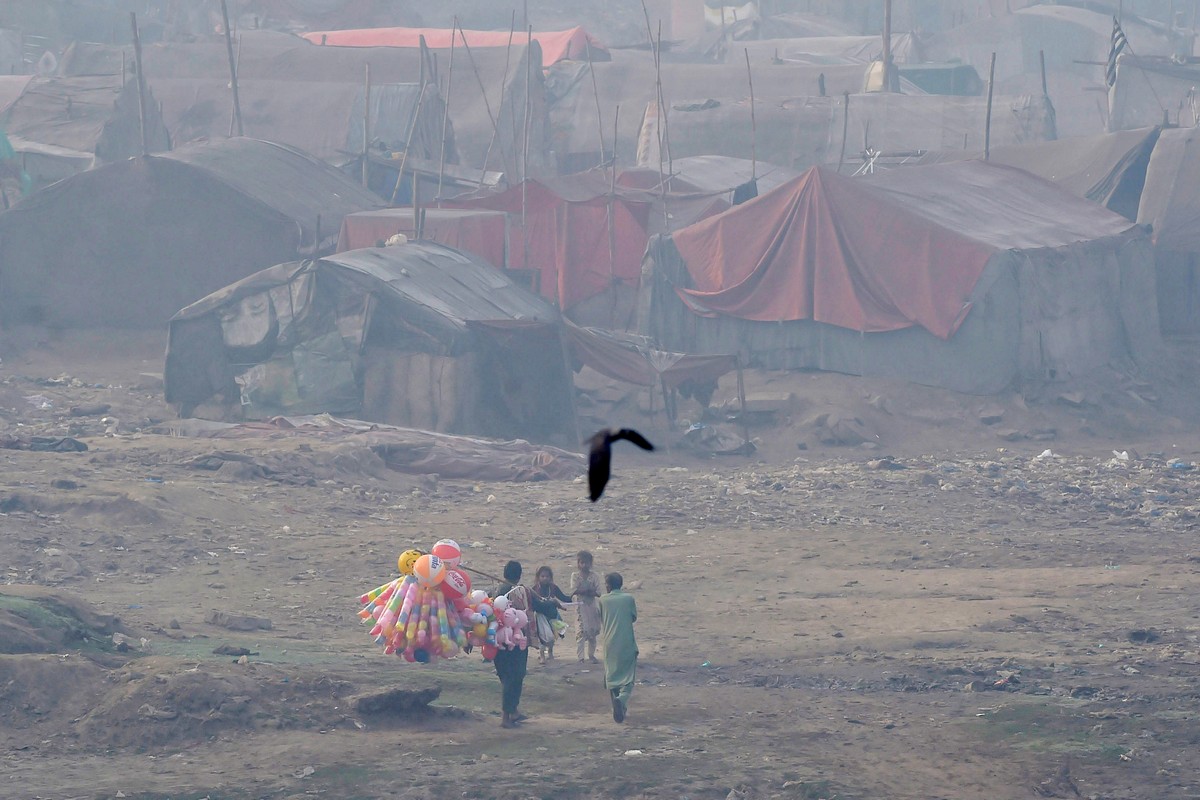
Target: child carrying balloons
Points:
(549, 626)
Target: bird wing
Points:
(630, 435)
(599, 462)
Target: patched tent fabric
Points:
(1171, 207)
(417, 334)
(633, 359)
(572, 44)
(964, 275)
(1106, 168)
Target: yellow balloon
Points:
(406, 560)
(480, 629)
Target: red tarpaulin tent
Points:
(567, 228)
(879, 255)
(569, 45)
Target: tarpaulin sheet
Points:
(902, 249)
(557, 46)
(566, 233)
(475, 231)
(628, 360)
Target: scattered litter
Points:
(1047, 453)
(634, 752)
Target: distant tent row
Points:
(575, 44)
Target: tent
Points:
(1106, 168)
(801, 132)
(65, 120)
(126, 245)
(417, 335)
(322, 87)
(590, 268)
(732, 176)
(1171, 207)
(1151, 90)
(964, 275)
(575, 44)
(817, 50)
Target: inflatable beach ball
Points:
(406, 560)
(429, 570)
(449, 551)
(456, 585)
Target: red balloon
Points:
(489, 651)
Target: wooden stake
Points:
(1042, 58)
(987, 130)
(233, 78)
(141, 81)
(753, 123)
(741, 387)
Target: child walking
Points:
(549, 626)
(585, 588)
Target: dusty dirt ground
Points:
(917, 604)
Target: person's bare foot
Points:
(507, 721)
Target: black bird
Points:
(600, 456)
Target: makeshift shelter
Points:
(740, 178)
(487, 97)
(574, 44)
(807, 131)
(1170, 205)
(126, 245)
(417, 335)
(966, 275)
(66, 120)
(476, 231)
(1152, 90)
(1106, 168)
(630, 81)
(583, 235)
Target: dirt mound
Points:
(34, 619)
(158, 704)
(118, 510)
(47, 689)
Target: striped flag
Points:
(1119, 43)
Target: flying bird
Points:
(600, 456)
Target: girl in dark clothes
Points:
(548, 627)
(511, 665)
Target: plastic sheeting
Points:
(572, 44)
(905, 248)
(634, 360)
(482, 233)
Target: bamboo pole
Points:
(887, 46)
(141, 82)
(445, 122)
(233, 78)
(987, 130)
(845, 128)
(496, 130)
(482, 90)
(412, 129)
(596, 94)
(1042, 59)
(525, 152)
(366, 140)
(741, 387)
(612, 225)
(753, 122)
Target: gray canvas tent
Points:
(966, 275)
(1152, 89)
(418, 335)
(1171, 207)
(65, 120)
(127, 244)
(805, 131)
(1106, 168)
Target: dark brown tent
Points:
(128, 244)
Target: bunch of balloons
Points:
(430, 611)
